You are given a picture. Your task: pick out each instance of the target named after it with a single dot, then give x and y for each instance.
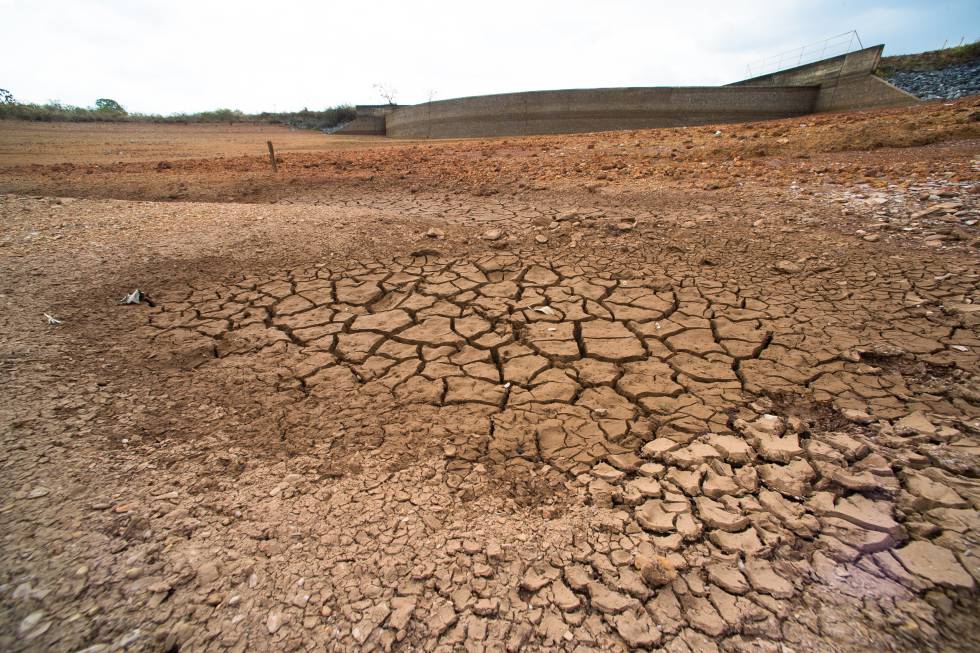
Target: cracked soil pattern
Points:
(654, 391)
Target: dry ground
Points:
(686, 389)
(27, 143)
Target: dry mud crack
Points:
(594, 363)
(644, 391)
(709, 515)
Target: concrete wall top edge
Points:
(581, 91)
(608, 99)
(862, 61)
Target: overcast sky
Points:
(178, 55)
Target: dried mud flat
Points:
(664, 390)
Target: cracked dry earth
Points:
(373, 424)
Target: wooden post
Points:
(272, 157)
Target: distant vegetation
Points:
(108, 110)
(929, 60)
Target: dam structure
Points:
(838, 83)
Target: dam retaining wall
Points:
(604, 109)
(834, 84)
(370, 120)
(846, 82)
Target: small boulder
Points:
(787, 267)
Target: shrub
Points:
(106, 105)
(931, 60)
(108, 110)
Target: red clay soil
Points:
(700, 389)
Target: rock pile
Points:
(947, 83)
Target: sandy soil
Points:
(704, 389)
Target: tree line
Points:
(109, 110)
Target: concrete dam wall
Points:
(604, 109)
(370, 120)
(846, 82)
(835, 84)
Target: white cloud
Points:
(186, 55)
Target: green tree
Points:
(6, 97)
(108, 105)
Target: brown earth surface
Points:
(702, 389)
(28, 143)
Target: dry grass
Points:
(929, 60)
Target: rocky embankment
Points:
(946, 83)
